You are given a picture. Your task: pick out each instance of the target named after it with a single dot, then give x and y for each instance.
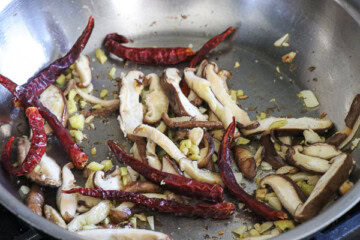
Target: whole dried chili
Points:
(228, 177)
(47, 76)
(27, 95)
(180, 184)
(37, 148)
(222, 210)
(155, 56)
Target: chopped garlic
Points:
(239, 93)
(100, 55)
(24, 191)
(282, 225)
(278, 69)
(93, 151)
(310, 99)
(112, 73)
(103, 93)
(242, 141)
(283, 41)
(107, 165)
(214, 158)
(278, 124)
(95, 166)
(237, 64)
(240, 230)
(162, 182)
(60, 80)
(233, 95)
(150, 220)
(78, 135)
(68, 76)
(77, 121)
(83, 104)
(262, 115)
(275, 203)
(272, 100)
(123, 171)
(288, 58)
(265, 166)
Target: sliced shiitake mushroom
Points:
(306, 163)
(207, 151)
(311, 137)
(82, 67)
(286, 170)
(170, 82)
(53, 99)
(352, 123)
(327, 186)
(131, 109)
(141, 187)
(193, 97)
(188, 122)
(54, 216)
(202, 88)
(245, 162)
(169, 166)
(169, 146)
(289, 194)
(124, 233)
(269, 153)
(217, 87)
(67, 203)
(110, 181)
(289, 126)
(94, 216)
(151, 156)
(48, 172)
(156, 100)
(35, 199)
(321, 150)
(122, 212)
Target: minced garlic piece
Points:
(94, 166)
(100, 55)
(103, 93)
(60, 80)
(93, 151)
(237, 64)
(112, 73)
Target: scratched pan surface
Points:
(325, 34)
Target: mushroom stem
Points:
(245, 162)
(170, 122)
(35, 199)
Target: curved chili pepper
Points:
(210, 45)
(222, 210)
(47, 76)
(180, 184)
(157, 56)
(37, 148)
(27, 95)
(228, 177)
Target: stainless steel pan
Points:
(324, 33)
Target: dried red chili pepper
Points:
(27, 95)
(216, 211)
(209, 45)
(157, 56)
(37, 148)
(228, 177)
(47, 76)
(180, 184)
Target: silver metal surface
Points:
(325, 34)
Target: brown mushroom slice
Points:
(289, 194)
(123, 234)
(35, 199)
(245, 162)
(156, 100)
(269, 153)
(202, 88)
(352, 123)
(67, 203)
(188, 122)
(122, 212)
(306, 163)
(327, 186)
(94, 216)
(286, 170)
(141, 187)
(224, 75)
(217, 87)
(82, 67)
(169, 166)
(170, 148)
(54, 216)
(321, 150)
(48, 172)
(54, 100)
(312, 137)
(289, 125)
(207, 151)
(131, 109)
(170, 82)
(193, 97)
(110, 181)
(151, 157)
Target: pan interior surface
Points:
(322, 34)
